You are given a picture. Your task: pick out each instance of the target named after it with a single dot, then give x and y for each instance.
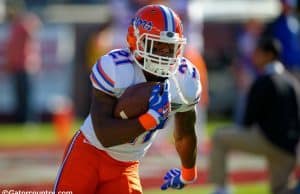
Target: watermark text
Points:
(12, 191)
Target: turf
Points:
(14, 135)
(255, 188)
(39, 134)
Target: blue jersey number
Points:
(120, 57)
(183, 68)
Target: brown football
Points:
(134, 101)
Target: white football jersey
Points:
(116, 71)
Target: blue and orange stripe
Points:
(98, 83)
(165, 18)
(104, 75)
(173, 20)
(168, 18)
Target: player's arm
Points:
(184, 132)
(109, 130)
(186, 145)
(185, 138)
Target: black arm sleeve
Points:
(257, 101)
(251, 109)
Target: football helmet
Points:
(156, 25)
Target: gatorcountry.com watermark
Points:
(12, 191)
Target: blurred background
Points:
(47, 49)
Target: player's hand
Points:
(177, 179)
(159, 107)
(166, 108)
(160, 99)
(159, 102)
(172, 180)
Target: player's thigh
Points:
(127, 183)
(78, 171)
(235, 138)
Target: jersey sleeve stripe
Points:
(99, 85)
(123, 62)
(100, 79)
(102, 73)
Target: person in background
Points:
(243, 69)
(286, 28)
(23, 59)
(271, 124)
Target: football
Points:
(134, 101)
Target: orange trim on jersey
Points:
(189, 174)
(104, 75)
(94, 81)
(147, 121)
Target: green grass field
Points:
(41, 134)
(256, 188)
(13, 135)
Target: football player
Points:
(103, 156)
